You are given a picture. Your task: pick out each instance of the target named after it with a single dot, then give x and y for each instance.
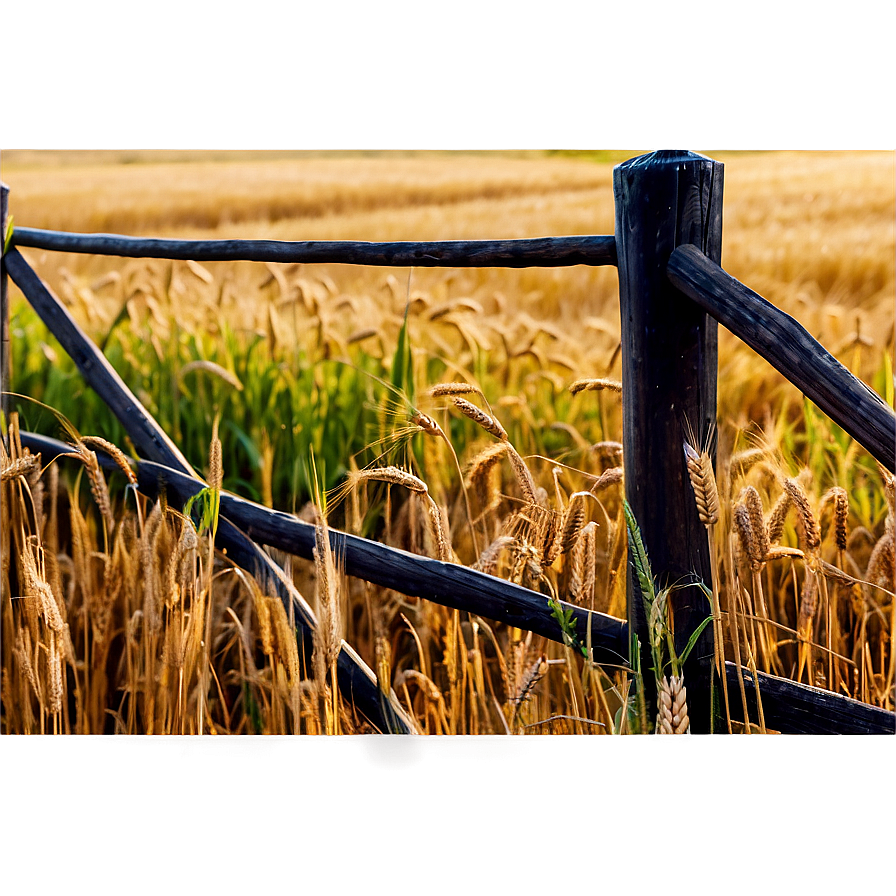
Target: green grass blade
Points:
(639, 554)
(402, 361)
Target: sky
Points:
(402, 75)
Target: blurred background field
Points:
(811, 231)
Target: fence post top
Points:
(663, 157)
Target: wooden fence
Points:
(673, 293)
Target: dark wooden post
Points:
(4, 314)
(670, 364)
(4, 374)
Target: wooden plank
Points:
(4, 311)
(447, 584)
(789, 348)
(541, 252)
(793, 708)
(5, 558)
(151, 439)
(669, 369)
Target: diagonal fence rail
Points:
(789, 348)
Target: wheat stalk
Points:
(777, 516)
(703, 483)
(215, 369)
(841, 517)
(391, 474)
(488, 559)
(881, 568)
(808, 526)
(582, 573)
(114, 452)
(751, 500)
(532, 676)
(98, 487)
(573, 520)
(597, 384)
(672, 717)
(20, 467)
(437, 528)
(757, 547)
(215, 465)
(477, 415)
(706, 497)
(744, 460)
(523, 475)
(480, 467)
(608, 449)
(451, 389)
(361, 335)
(613, 476)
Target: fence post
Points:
(4, 314)
(670, 362)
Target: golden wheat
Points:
(703, 483)
(20, 467)
(390, 474)
(451, 389)
(808, 528)
(477, 415)
(595, 385)
(673, 707)
(114, 452)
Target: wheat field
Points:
(496, 446)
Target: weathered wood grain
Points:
(543, 252)
(793, 708)
(669, 369)
(789, 348)
(4, 309)
(4, 372)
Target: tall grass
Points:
(496, 391)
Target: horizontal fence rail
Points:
(560, 251)
(788, 707)
(789, 348)
(802, 709)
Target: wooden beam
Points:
(793, 708)
(542, 252)
(5, 541)
(4, 311)
(669, 369)
(789, 348)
